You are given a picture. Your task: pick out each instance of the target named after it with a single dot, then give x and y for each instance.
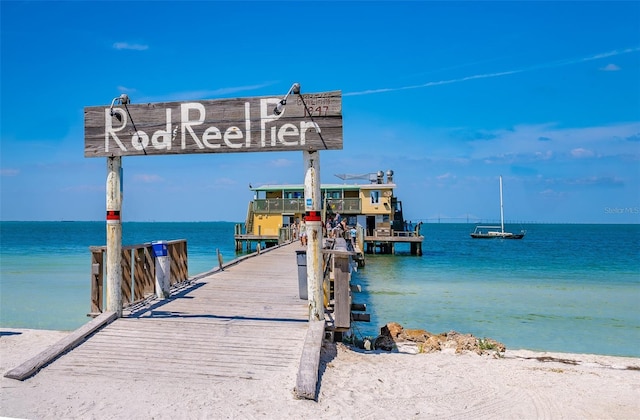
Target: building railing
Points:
(138, 272)
(344, 205)
(296, 205)
(278, 205)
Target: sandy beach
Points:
(354, 384)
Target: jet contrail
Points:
(498, 74)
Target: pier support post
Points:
(114, 235)
(313, 220)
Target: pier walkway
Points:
(245, 322)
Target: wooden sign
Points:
(215, 126)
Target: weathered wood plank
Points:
(342, 295)
(97, 275)
(215, 126)
(245, 322)
(358, 306)
(307, 380)
(126, 284)
(32, 365)
(358, 316)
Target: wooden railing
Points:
(337, 267)
(138, 272)
(296, 205)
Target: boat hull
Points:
(497, 235)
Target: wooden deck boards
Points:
(246, 322)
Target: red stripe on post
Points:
(113, 215)
(312, 216)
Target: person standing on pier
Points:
(352, 233)
(344, 230)
(303, 232)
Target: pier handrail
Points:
(138, 272)
(338, 261)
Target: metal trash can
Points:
(302, 274)
(159, 248)
(163, 269)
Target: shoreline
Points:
(353, 384)
(42, 336)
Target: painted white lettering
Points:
(266, 106)
(140, 140)
(233, 133)
(273, 136)
(211, 133)
(288, 130)
(247, 123)
(161, 139)
(189, 129)
(186, 123)
(304, 126)
(110, 131)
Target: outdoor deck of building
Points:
(243, 322)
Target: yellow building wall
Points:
(384, 201)
(267, 224)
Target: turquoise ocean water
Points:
(569, 288)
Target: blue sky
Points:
(449, 95)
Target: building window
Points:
(292, 194)
(375, 197)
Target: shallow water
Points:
(569, 288)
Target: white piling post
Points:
(312, 206)
(220, 262)
(114, 235)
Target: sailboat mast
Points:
(501, 208)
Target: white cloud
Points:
(581, 153)
(148, 178)
(202, 94)
(610, 67)
(544, 155)
(129, 46)
(9, 172)
(552, 194)
(556, 64)
(125, 89)
(522, 144)
(607, 181)
(281, 163)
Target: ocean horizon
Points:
(564, 287)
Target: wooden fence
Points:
(138, 272)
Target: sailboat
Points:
(496, 232)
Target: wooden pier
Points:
(387, 244)
(385, 240)
(244, 321)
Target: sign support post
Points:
(312, 204)
(114, 235)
